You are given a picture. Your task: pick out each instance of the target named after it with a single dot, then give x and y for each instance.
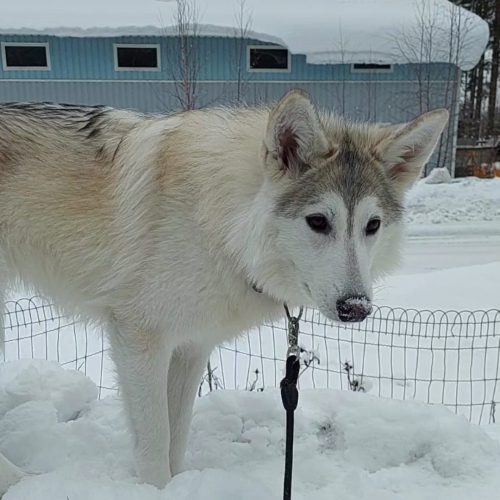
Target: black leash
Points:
(290, 395)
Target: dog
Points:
(178, 232)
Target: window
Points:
(25, 56)
(143, 57)
(269, 59)
(371, 68)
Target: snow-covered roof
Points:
(326, 31)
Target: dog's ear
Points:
(409, 147)
(294, 134)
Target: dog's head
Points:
(333, 199)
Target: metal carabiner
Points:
(293, 333)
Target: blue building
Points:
(154, 69)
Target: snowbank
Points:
(326, 31)
(348, 445)
(468, 199)
(43, 382)
(439, 176)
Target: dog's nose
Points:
(353, 309)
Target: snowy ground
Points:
(51, 421)
(463, 200)
(450, 247)
(349, 445)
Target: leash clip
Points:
(293, 333)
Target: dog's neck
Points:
(228, 178)
(232, 196)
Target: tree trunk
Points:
(495, 62)
(479, 99)
(472, 101)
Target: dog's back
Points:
(63, 183)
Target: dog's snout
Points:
(353, 309)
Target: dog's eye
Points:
(372, 227)
(318, 223)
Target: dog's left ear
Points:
(407, 150)
(294, 135)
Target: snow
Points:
(326, 31)
(358, 302)
(462, 289)
(208, 30)
(449, 246)
(348, 444)
(38, 381)
(463, 200)
(439, 175)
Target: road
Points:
(430, 249)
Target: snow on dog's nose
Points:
(353, 309)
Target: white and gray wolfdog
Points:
(176, 233)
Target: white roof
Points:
(326, 31)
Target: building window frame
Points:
(6, 67)
(270, 70)
(382, 68)
(156, 46)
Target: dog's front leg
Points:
(184, 378)
(142, 360)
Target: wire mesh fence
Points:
(34, 329)
(439, 357)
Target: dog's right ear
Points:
(409, 148)
(294, 135)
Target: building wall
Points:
(93, 59)
(82, 72)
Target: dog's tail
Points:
(2, 325)
(3, 288)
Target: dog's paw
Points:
(154, 474)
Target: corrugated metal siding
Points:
(395, 101)
(93, 59)
(391, 102)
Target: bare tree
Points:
(371, 88)
(416, 46)
(184, 61)
(243, 21)
(439, 34)
(339, 47)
